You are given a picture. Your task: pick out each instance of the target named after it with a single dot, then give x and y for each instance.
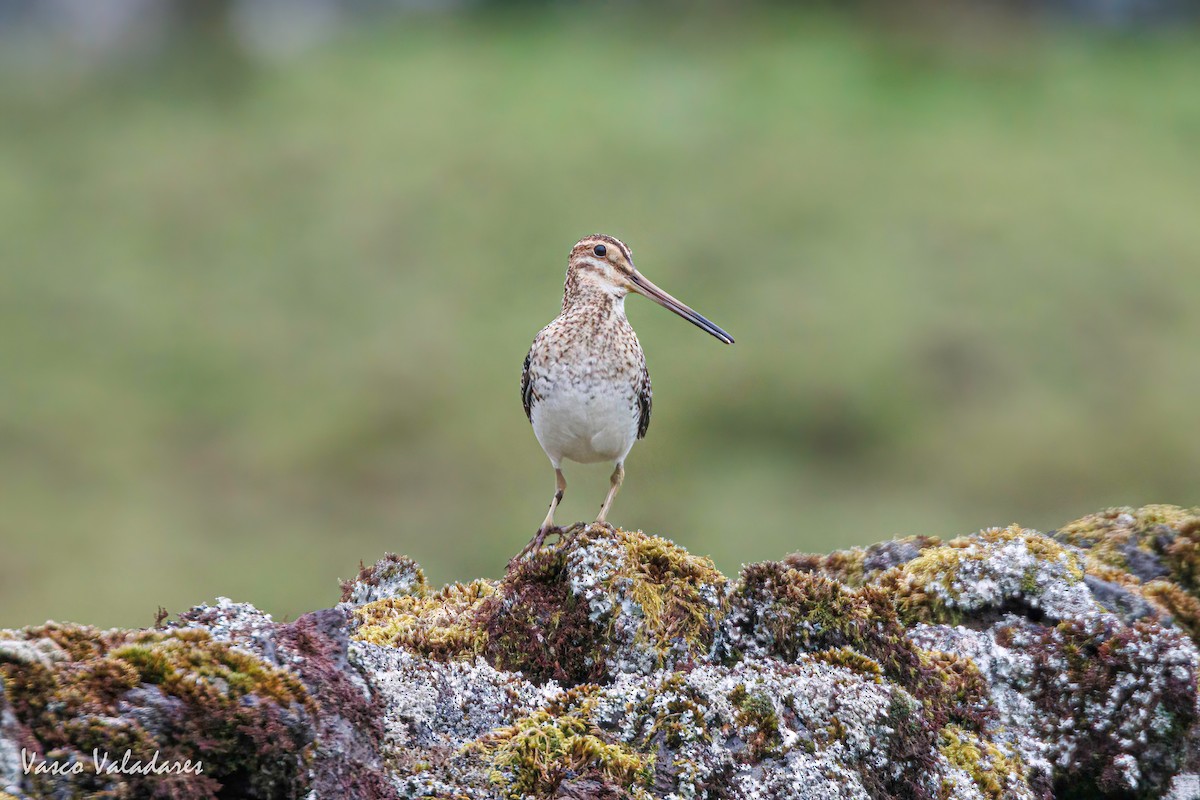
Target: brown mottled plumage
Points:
(584, 384)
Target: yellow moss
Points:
(176, 659)
(1098, 568)
(846, 566)
(533, 755)
(666, 580)
(852, 660)
(1183, 607)
(987, 765)
(1105, 531)
(440, 625)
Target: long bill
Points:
(644, 286)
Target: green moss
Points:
(442, 625)
(535, 754)
(987, 765)
(758, 723)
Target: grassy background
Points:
(261, 321)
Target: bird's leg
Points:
(560, 486)
(617, 476)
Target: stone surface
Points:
(1003, 664)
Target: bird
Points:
(584, 384)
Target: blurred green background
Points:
(263, 308)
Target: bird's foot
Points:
(568, 534)
(608, 526)
(536, 542)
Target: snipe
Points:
(585, 386)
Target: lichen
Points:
(994, 569)
(783, 613)
(390, 576)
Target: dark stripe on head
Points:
(591, 241)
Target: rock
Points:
(616, 666)
(391, 576)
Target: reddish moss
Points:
(351, 733)
(537, 626)
(602, 602)
(1104, 663)
(859, 565)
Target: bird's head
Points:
(605, 263)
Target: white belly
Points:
(585, 425)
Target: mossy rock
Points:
(603, 603)
(391, 576)
(997, 570)
(538, 752)
(784, 613)
(1153, 551)
(993, 770)
(442, 625)
(615, 665)
(175, 692)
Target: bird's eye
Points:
(599, 250)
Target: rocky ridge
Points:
(1004, 664)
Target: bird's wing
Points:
(527, 386)
(645, 397)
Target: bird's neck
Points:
(582, 297)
